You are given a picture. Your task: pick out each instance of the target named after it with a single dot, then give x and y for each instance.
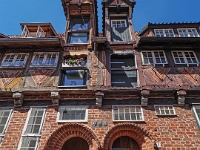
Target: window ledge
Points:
(168, 115)
(61, 121)
(43, 66)
(128, 120)
(76, 86)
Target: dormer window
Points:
(33, 33)
(120, 30)
(187, 32)
(164, 32)
(79, 33)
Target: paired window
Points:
(73, 114)
(164, 32)
(187, 32)
(120, 30)
(5, 114)
(196, 113)
(127, 113)
(123, 72)
(15, 60)
(164, 110)
(32, 129)
(79, 33)
(154, 57)
(184, 57)
(45, 59)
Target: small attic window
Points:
(35, 32)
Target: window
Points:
(73, 114)
(120, 30)
(32, 129)
(15, 60)
(187, 32)
(184, 57)
(45, 59)
(5, 114)
(74, 77)
(123, 72)
(127, 113)
(79, 33)
(78, 38)
(196, 113)
(164, 110)
(154, 57)
(37, 33)
(164, 32)
(118, 23)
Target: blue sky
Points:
(12, 12)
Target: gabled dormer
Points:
(81, 16)
(117, 20)
(38, 30)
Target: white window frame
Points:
(30, 135)
(164, 32)
(197, 118)
(165, 114)
(188, 33)
(72, 106)
(120, 23)
(154, 58)
(44, 59)
(39, 33)
(142, 115)
(184, 57)
(7, 122)
(14, 59)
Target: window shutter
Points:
(120, 34)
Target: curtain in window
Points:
(120, 34)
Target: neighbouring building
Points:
(116, 90)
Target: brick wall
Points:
(178, 132)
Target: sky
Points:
(13, 12)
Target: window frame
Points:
(154, 58)
(112, 20)
(31, 135)
(142, 114)
(164, 33)
(185, 58)
(197, 118)
(44, 59)
(14, 59)
(72, 106)
(174, 112)
(188, 35)
(70, 36)
(7, 121)
(133, 68)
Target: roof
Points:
(153, 25)
(3, 36)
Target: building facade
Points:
(116, 90)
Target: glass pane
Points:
(79, 38)
(74, 77)
(51, 59)
(20, 60)
(38, 59)
(8, 60)
(80, 24)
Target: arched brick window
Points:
(58, 139)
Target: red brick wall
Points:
(174, 132)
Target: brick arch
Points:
(139, 134)
(67, 131)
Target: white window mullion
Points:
(29, 139)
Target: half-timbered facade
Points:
(116, 90)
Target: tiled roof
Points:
(149, 24)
